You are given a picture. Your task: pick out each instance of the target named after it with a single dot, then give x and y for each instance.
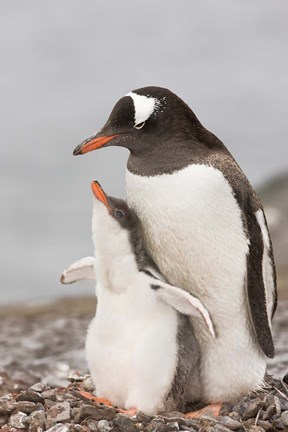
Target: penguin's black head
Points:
(143, 118)
(117, 208)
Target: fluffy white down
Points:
(133, 335)
(193, 229)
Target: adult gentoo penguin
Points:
(205, 229)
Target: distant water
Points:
(65, 64)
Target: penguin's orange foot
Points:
(212, 409)
(95, 398)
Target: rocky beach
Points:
(43, 368)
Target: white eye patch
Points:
(144, 106)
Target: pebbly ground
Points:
(42, 345)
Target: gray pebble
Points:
(37, 419)
(266, 425)
(38, 387)
(25, 406)
(92, 425)
(58, 428)
(103, 426)
(155, 426)
(60, 412)
(277, 405)
(6, 407)
(252, 409)
(3, 419)
(220, 428)
(142, 417)
(124, 424)
(229, 422)
(171, 427)
(18, 420)
(88, 384)
(271, 410)
(49, 394)
(283, 404)
(284, 418)
(255, 428)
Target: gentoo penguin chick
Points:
(204, 227)
(141, 350)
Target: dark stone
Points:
(155, 426)
(171, 427)
(7, 407)
(271, 410)
(229, 422)
(94, 413)
(252, 409)
(60, 412)
(142, 417)
(25, 406)
(285, 378)
(124, 424)
(37, 420)
(30, 395)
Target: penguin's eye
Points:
(139, 125)
(119, 214)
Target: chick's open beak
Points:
(100, 194)
(92, 143)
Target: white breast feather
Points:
(194, 232)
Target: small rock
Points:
(240, 407)
(271, 410)
(38, 387)
(3, 419)
(92, 425)
(142, 417)
(19, 420)
(75, 376)
(124, 424)
(255, 428)
(155, 426)
(103, 426)
(285, 378)
(220, 428)
(58, 428)
(252, 409)
(37, 420)
(277, 405)
(29, 395)
(88, 384)
(173, 419)
(6, 407)
(284, 418)
(95, 413)
(279, 425)
(266, 425)
(229, 422)
(171, 427)
(283, 404)
(60, 412)
(25, 406)
(49, 394)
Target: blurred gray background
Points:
(64, 64)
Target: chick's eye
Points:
(139, 125)
(119, 214)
